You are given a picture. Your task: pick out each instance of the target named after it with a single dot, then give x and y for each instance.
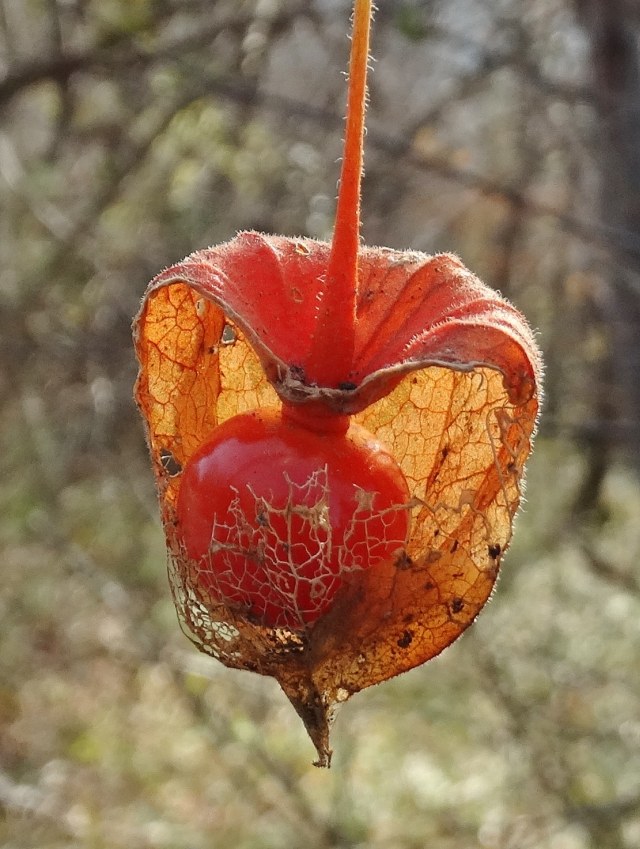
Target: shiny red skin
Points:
(283, 499)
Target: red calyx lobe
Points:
(274, 514)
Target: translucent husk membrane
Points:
(459, 429)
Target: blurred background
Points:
(133, 132)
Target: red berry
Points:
(274, 515)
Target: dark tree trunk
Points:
(613, 27)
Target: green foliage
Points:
(410, 22)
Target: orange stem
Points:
(334, 340)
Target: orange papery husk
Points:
(445, 372)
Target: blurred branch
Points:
(611, 239)
(608, 812)
(427, 27)
(56, 69)
(65, 112)
(607, 571)
(70, 241)
(120, 54)
(54, 220)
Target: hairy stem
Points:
(333, 343)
